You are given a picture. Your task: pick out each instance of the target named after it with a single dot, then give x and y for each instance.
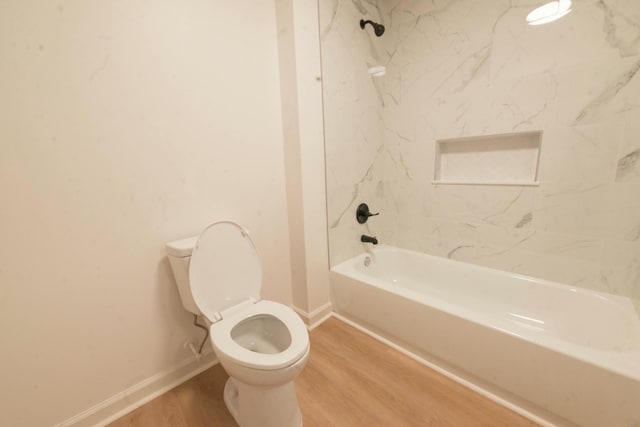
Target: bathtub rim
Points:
(620, 363)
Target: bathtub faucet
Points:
(368, 239)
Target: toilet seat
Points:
(225, 277)
(225, 270)
(225, 344)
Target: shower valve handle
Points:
(363, 213)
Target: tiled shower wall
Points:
(353, 111)
(467, 68)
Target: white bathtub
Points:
(568, 356)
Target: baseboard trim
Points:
(460, 380)
(137, 395)
(316, 317)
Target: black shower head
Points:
(378, 29)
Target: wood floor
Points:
(350, 380)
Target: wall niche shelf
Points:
(504, 159)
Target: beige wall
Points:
(123, 125)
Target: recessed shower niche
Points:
(505, 159)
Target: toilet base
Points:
(253, 406)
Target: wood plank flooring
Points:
(350, 380)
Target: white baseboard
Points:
(316, 317)
(132, 398)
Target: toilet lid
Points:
(224, 269)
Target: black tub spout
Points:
(368, 239)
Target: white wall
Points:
(467, 68)
(301, 89)
(353, 105)
(476, 69)
(123, 125)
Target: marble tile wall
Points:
(459, 68)
(354, 148)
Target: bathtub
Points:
(560, 355)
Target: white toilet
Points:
(263, 345)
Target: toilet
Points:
(262, 345)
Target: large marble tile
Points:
(508, 206)
(586, 34)
(596, 91)
(354, 147)
(531, 240)
(628, 159)
(620, 270)
(580, 157)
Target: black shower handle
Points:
(363, 213)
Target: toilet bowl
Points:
(262, 345)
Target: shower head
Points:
(378, 29)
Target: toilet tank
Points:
(179, 253)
